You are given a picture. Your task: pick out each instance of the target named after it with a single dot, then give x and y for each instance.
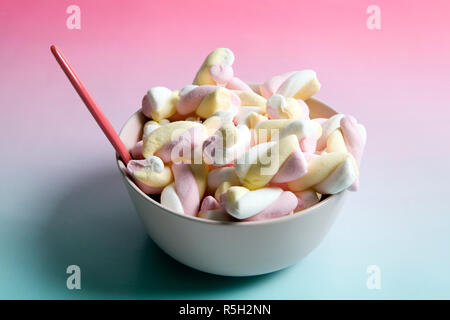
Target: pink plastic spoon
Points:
(95, 110)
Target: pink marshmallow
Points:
(135, 165)
(308, 144)
(354, 142)
(186, 142)
(306, 199)
(186, 188)
(238, 84)
(310, 156)
(209, 203)
(271, 86)
(305, 109)
(352, 137)
(189, 102)
(284, 205)
(221, 74)
(293, 168)
(136, 151)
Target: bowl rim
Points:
(121, 166)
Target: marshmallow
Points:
(255, 86)
(160, 103)
(300, 85)
(262, 162)
(279, 107)
(149, 126)
(252, 119)
(249, 98)
(174, 141)
(150, 175)
(212, 124)
(343, 133)
(306, 199)
(354, 136)
(306, 131)
(171, 200)
(211, 209)
(208, 100)
(191, 97)
(218, 100)
(221, 74)
(293, 168)
(340, 179)
(218, 176)
(228, 143)
(328, 126)
(217, 70)
(329, 173)
(219, 57)
(136, 151)
(244, 112)
(185, 194)
(261, 204)
(237, 84)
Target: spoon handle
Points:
(90, 103)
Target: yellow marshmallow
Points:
(318, 170)
(153, 178)
(212, 124)
(200, 173)
(220, 56)
(260, 171)
(291, 110)
(265, 129)
(167, 108)
(335, 142)
(219, 99)
(253, 119)
(251, 99)
(235, 193)
(229, 134)
(308, 90)
(164, 134)
(223, 187)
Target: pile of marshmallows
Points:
(226, 150)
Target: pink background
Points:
(394, 80)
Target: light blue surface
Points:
(83, 216)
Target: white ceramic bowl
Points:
(232, 248)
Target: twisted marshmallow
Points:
(212, 210)
(329, 173)
(207, 100)
(160, 103)
(280, 107)
(220, 175)
(261, 204)
(174, 141)
(226, 144)
(217, 70)
(306, 131)
(184, 195)
(280, 161)
(136, 151)
(150, 175)
(300, 85)
(343, 133)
